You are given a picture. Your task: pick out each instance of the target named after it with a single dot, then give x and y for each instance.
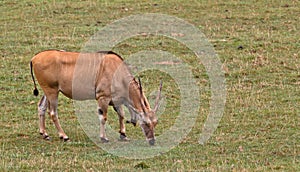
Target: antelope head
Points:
(147, 116)
(149, 119)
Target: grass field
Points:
(257, 41)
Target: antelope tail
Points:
(35, 91)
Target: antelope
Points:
(102, 76)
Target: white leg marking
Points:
(102, 129)
(102, 126)
(42, 108)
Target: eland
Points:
(102, 76)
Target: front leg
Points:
(103, 119)
(121, 114)
(102, 111)
(133, 119)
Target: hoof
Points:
(104, 140)
(45, 136)
(66, 139)
(123, 137)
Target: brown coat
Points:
(81, 76)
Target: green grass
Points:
(259, 130)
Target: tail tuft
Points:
(36, 92)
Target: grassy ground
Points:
(260, 127)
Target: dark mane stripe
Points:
(101, 52)
(110, 52)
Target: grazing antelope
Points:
(102, 76)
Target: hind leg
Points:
(42, 108)
(53, 103)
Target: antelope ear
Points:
(156, 106)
